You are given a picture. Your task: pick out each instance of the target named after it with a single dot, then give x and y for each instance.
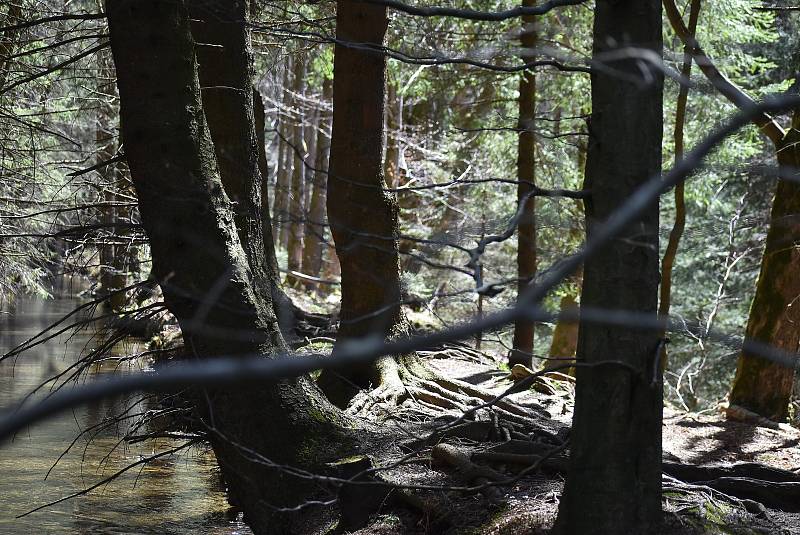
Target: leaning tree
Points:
(199, 259)
(760, 385)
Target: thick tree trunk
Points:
(294, 244)
(362, 215)
(198, 258)
(614, 480)
(522, 349)
(224, 80)
(762, 386)
(313, 246)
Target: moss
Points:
(317, 415)
(715, 512)
(308, 452)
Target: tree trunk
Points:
(284, 307)
(285, 158)
(310, 133)
(8, 40)
(671, 252)
(362, 215)
(112, 272)
(315, 223)
(614, 479)
(394, 126)
(227, 111)
(294, 244)
(197, 254)
(762, 386)
(565, 336)
(522, 349)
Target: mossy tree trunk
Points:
(762, 386)
(362, 214)
(242, 165)
(522, 349)
(614, 479)
(198, 257)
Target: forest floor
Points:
(530, 504)
(429, 472)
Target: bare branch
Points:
(224, 371)
(54, 18)
(721, 82)
(471, 14)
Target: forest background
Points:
(451, 156)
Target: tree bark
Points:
(362, 215)
(522, 349)
(762, 386)
(313, 246)
(229, 102)
(614, 479)
(198, 257)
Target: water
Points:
(177, 494)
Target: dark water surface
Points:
(179, 494)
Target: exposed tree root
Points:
(740, 414)
(774, 488)
(309, 325)
(468, 471)
(390, 390)
(408, 378)
(556, 465)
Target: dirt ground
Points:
(531, 504)
(710, 438)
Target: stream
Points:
(177, 494)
